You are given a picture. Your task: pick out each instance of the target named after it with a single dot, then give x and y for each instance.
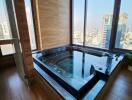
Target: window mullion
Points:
(114, 24)
(85, 22)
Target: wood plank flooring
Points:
(13, 88)
(121, 88)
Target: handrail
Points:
(8, 41)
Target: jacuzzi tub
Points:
(74, 68)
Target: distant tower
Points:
(107, 25)
(122, 28)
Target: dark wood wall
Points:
(7, 61)
(53, 22)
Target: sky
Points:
(96, 9)
(3, 11)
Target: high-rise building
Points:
(92, 38)
(107, 25)
(122, 28)
(126, 41)
(4, 30)
(78, 37)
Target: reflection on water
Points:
(77, 65)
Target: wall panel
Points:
(54, 22)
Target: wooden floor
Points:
(13, 88)
(122, 87)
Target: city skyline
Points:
(5, 31)
(97, 31)
(102, 39)
(94, 13)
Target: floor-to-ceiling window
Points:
(78, 21)
(124, 30)
(95, 19)
(5, 31)
(30, 24)
(99, 23)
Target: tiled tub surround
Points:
(77, 69)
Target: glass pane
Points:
(78, 21)
(99, 23)
(7, 49)
(30, 24)
(5, 32)
(124, 31)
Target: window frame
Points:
(72, 23)
(34, 25)
(116, 12)
(114, 48)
